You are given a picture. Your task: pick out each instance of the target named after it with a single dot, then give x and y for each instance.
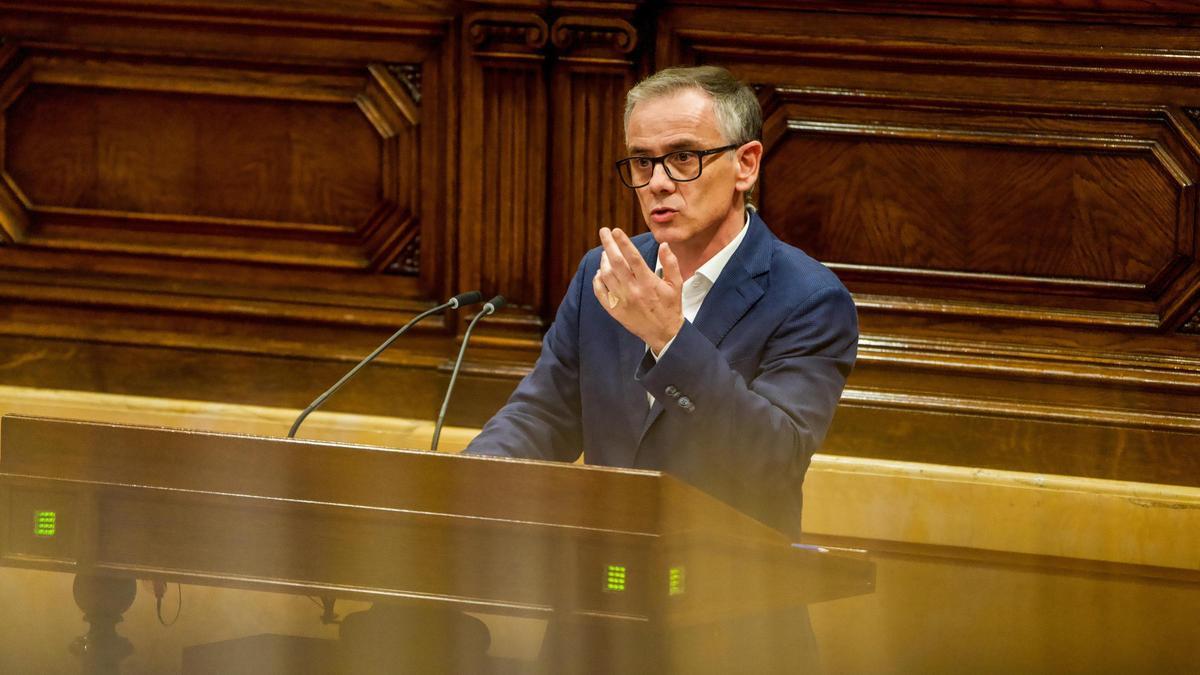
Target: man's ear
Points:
(749, 160)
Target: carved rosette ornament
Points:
(408, 74)
(507, 31)
(1192, 326)
(408, 263)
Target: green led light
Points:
(45, 523)
(675, 581)
(614, 578)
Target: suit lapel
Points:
(738, 288)
(726, 304)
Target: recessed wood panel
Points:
(1057, 204)
(311, 166)
(970, 207)
(149, 152)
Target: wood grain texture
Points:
(204, 156)
(224, 190)
(951, 192)
(191, 168)
(504, 178)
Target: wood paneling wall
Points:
(235, 200)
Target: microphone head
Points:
(464, 299)
(495, 304)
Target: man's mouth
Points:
(662, 214)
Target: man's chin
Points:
(664, 233)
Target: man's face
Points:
(685, 215)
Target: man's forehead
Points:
(667, 143)
(676, 121)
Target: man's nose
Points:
(659, 180)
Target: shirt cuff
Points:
(664, 349)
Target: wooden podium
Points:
(607, 552)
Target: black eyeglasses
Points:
(681, 166)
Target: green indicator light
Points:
(676, 581)
(614, 578)
(45, 523)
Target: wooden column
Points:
(542, 105)
(597, 61)
(503, 172)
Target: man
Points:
(707, 348)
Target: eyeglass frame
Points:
(662, 160)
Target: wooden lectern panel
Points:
(513, 536)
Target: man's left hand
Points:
(647, 306)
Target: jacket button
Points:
(672, 391)
(686, 403)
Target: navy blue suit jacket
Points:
(743, 396)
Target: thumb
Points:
(670, 265)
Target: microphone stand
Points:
(457, 301)
(489, 308)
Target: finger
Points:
(637, 264)
(600, 290)
(670, 263)
(609, 281)
(616, 260)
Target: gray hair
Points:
(739, 116)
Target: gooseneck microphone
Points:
(460, 300)
(489, 308)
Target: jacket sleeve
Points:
(751, 441)
(541, 419)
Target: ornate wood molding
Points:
(507, 31)
(262, 216)
(1192, 325)
(408, 74)
(551, 76)
(586, 35)
(408, 262)
(14, 215)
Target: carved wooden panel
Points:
(115, 157)
(1058, 207)
(215, 140)
(257, 181)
